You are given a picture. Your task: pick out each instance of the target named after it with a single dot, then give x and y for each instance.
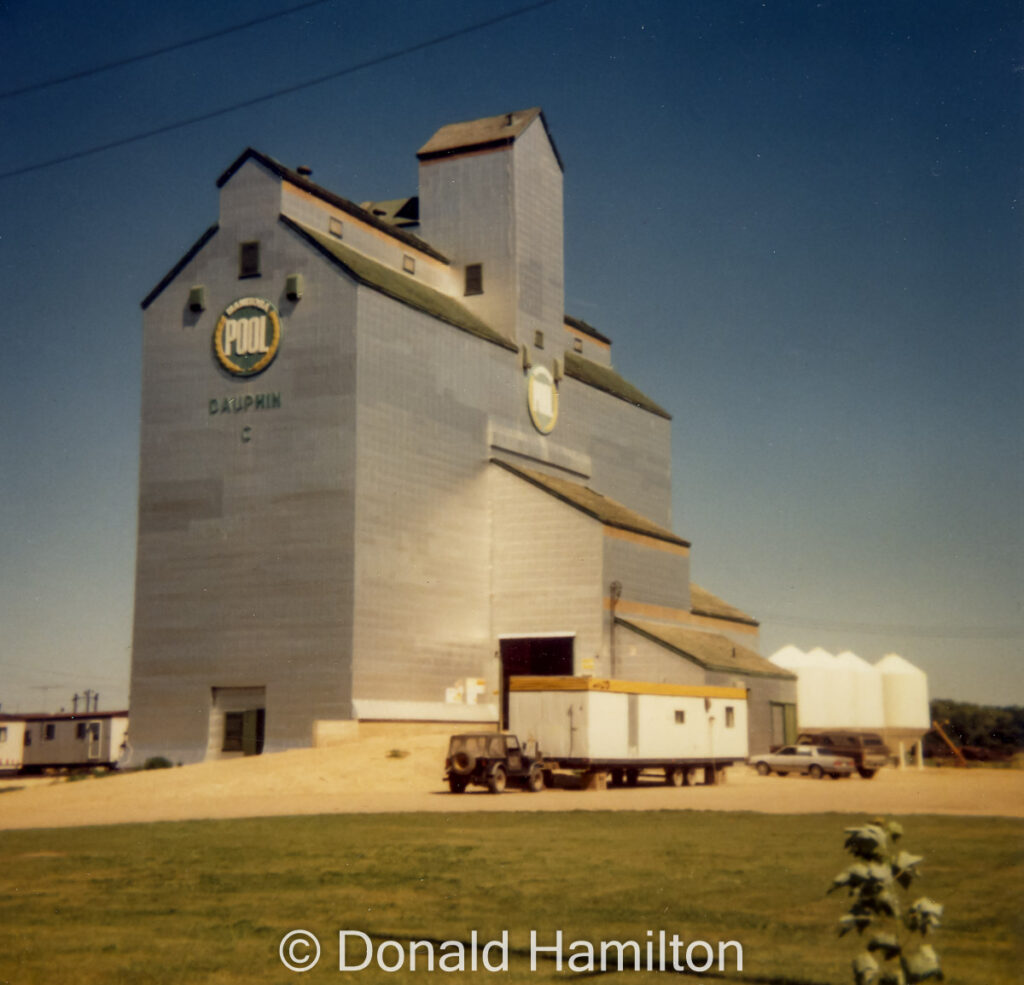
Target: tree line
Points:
(982, 731)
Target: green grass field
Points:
(209, 901)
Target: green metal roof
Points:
(583, 498)
(709, 650)
(398, 285)
(605, 378)
(703, 603)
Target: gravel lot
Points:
(360, 777)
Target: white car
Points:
(813, 760)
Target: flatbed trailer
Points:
(612, 730)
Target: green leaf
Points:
(886, 943)
(869, 842)
(904, 868)
(841, 880)
(924, 916)
(886, 903)
(880, 872)
(858, 921)
(865, 969)
(854, 876)
(922, 965)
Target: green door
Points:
(252, 731)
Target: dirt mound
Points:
(389, 774)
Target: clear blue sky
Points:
(799, 222)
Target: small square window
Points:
(49, 731)
(680, 718)
(409, 264)
(80, 730)
(474, 278)
(334, 226)
(577, 345)
(249, 259)
(538, 339)
(28, 736)
(730, 717)
(3, 733)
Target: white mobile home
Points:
(12, 743)
(68, 740)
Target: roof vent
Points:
(305, 170)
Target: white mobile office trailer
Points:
(621, 728)
(66, 741)
(12, 743)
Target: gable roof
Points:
(709, 650)
(703, 603)
(584, 499)
(605, 378)
(395, 211)
(301, 181)
(190, 254)
(398, 285)
(487, 133)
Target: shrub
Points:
(874, 882)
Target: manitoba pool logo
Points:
(542, 399)
(247, 336)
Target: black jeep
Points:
(492, 760)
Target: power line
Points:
(896, 629)
(66, 675)
(277, 93)
(131, 59)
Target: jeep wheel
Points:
(497, 780)
(866, 773)
(463, 763)
(816, 771)
(674, 776)
(763, 769)
(535, 780)
(457, 784)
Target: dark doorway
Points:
(535, 656)
(243, 731)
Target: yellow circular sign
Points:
(247, 336)
(542, 399)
